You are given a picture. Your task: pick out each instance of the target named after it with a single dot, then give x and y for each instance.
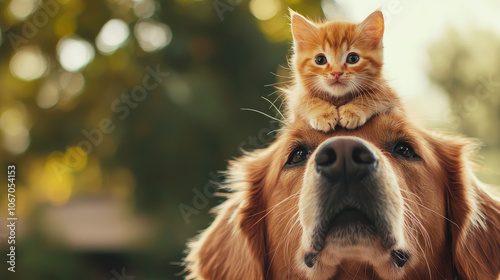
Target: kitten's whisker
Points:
(279, 112)
(280, 76)
(277, 83)
(286, 68)
(262, 113)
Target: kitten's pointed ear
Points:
(304, 31)
(373, 28)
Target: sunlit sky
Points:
(411, 29)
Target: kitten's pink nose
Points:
(337, 74)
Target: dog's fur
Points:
(441, 214)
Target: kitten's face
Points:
(338, 58)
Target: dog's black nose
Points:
(345, 158)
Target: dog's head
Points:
(389, 200)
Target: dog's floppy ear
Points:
(474, 216)
(234, 247)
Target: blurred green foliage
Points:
(465, 66)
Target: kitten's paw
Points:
(352, 117)
(324, 121)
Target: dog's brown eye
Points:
(298, 155)
(320, 59)
(405, 151)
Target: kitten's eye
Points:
(404, 151)
(297, 156)
(320, 59)
(352, 58)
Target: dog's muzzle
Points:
(352, 196)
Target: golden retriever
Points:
(389, 200)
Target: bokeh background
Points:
(116, 165)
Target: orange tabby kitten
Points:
(337, 72)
